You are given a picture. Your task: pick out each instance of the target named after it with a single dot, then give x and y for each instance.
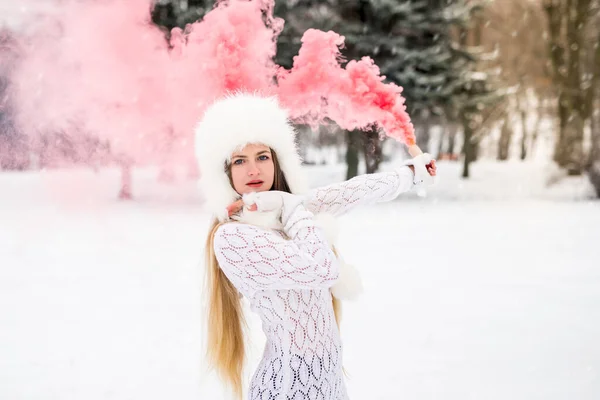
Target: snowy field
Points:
(485, 290)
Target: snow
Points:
(483, 289)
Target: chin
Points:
(252, 190)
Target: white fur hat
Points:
(231, 123)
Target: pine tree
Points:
(179, 13)
(414, 42)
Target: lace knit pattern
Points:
(287, 281)
(340, 198)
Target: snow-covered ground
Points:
(485, 289)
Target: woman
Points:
(265, 243)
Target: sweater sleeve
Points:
(255, 259)
(340, 198)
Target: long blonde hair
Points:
(226, 351)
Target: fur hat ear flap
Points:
(349, 283)
(329, 224)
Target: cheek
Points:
(270, 172)
(237, 177)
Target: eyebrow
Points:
(258, 154)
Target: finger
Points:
(232, 211)
(253, 207)
(234, 207)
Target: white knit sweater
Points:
(286, 276)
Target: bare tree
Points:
(594, 94)
(567, 21)
(593, 164)
(506, 133)
(515, 28)
(481, 98)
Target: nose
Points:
(253, 169)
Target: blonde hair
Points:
(225, 343)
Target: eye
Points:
(264, 157)
(239, 161)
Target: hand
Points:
(415, 151)
(270, 200)
(423, 167)
(431, 168)
(237, 205)
(282, 203)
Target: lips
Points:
(254, 183)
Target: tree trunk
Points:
(594, 175)
(475, 145)
(536, 131)
(372, 151)
(563, 112)
(555, 10)
(44, 152)
(524, 134)
(595, 145)
(452, 140)
(570, 150)
(125, 193)
(468, 145)
(594, 158)
(574, 160)
(506, 133)
(352, 148)
(594, 113)
(443, 134)
(569, 17)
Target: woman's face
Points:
(252, 169)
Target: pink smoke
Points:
(103, 67)
(230, 49)
(100, 66)
(317, 87)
